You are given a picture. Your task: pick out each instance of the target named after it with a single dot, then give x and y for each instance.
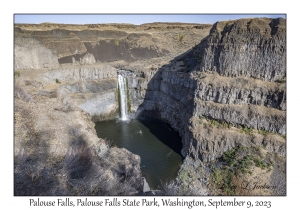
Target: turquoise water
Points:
(155, 142)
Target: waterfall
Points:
(123, 96)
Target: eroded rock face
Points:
(79, 73)
(98, 98)
(247, 47)
(87, 59)
(241, 91)
(251, 116)
(92, 88)
(31, 54)
(210, 142)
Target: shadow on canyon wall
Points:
(169, 97)
(169, 136)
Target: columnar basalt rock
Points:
(247, 47)
(242, 91)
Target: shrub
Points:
(239, 161)
(243, 166)
(201, 117)
(229, 157)
(281, 81)
(183, 175)
(214, 122)
(222, 179)
(78, 162)
(181, 36)
(17, 73)
(261, 164)
(57, 81)
(262, 132)
(246, 130)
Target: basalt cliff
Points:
(221, 86)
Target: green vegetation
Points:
(243, 165)
(57, 81)
(222, 179)
(17, 74)
(222, 124)
(214, 122)
(184, 175)
(241, 159)
(128, 98)
(236, 163)
(261, 164)
(181, 36)
(230, 157)
(226, 125)
(281, 81)
(219, 124)
(263, 132)
(246, 130)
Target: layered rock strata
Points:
(247, 47)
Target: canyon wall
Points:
(178, 97)
(218, 108)
(247, 47)
(243, 99)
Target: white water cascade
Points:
(123, 96)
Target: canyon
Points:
(222, 87)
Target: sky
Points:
(135, 19)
